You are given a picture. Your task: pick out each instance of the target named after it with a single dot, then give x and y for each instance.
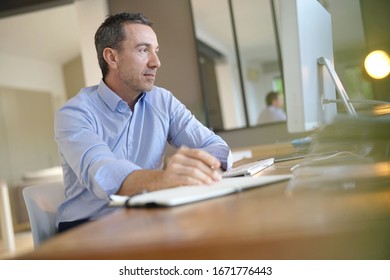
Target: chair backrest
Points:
(41, 202)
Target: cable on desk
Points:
(306, 163)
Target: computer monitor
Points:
(305, 36)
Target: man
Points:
(112, 136)
(274, 111)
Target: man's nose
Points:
(154, 61)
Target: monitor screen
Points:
(305, 36)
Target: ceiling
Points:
(52, 34)
(49, 35)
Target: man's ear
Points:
(111, 57)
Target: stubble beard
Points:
(138, 85)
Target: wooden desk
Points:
(261, 223)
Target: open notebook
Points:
(188, 194)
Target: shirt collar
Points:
(111, 98)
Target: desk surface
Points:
(261, 223)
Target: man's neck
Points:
(129, 96)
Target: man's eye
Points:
(144, 50)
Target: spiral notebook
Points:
(189, 194)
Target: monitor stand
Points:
(339, 86)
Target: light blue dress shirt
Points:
(101, 141)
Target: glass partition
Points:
(258, 53)
(221, 87)
(238, 59)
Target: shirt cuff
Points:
(222, 153)
(111, 175)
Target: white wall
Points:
(19, 140)
(28, 73)
(38, 75)
(90, 14)
(32, 74)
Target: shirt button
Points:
(123, 107)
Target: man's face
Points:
(278, 102)
(138, 60)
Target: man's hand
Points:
(186, 167)
(193, 167)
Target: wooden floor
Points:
(24, 244)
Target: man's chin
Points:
(146, 89)
(149, 87)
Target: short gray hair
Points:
(110, 34)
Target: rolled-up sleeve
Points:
(185, 129)
(88, 156)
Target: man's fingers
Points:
(182, 164)
(204, 174)
(201, 155)
(195, 164)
